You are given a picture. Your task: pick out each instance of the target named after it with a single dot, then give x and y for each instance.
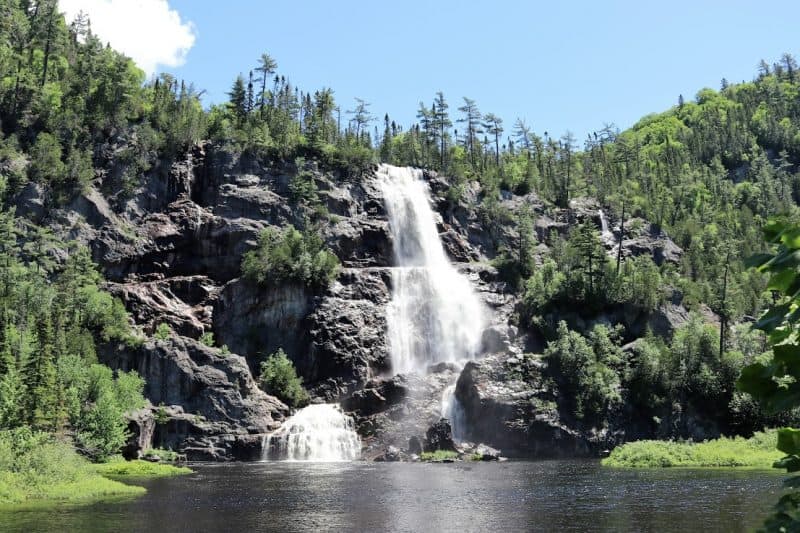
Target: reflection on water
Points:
(514, 496)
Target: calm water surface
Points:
(513, 496)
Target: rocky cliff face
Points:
(172, 249)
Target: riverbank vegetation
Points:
(35, 466)
(756, 452)
(707, 173)
(438, 456)
(121, 468)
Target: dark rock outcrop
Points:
(439, 437)
(210, 399)
(141, 426)
(510, 414)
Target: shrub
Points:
(163, 332)
(279, 378)
(590, 387)
(757, 452)
(101, 429)
(207, 338)
(438, 456)
(140, 469)
(290, 255)
(35, 466)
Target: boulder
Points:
(415, 445)
(141, 427)
(502, 410)
(390, 455)
(440, 437)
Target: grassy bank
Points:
(756, 452)
(139, 469)
(36, 467)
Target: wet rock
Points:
(256, 321)
(141, 427)
(486, 453)
(440, 437)
(391, 455)
(184, 303)
(509, 413)
(415, 445)
(377, 396)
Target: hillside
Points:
(142, 232)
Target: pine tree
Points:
(441, 122)
(590, 261)
(472, 119)
(237, 100)
(386, 141)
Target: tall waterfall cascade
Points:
(605, 232)
(434, 315)
(320, 432)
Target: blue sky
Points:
(560, 65)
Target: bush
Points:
(756, 452)
(293, 256)
(163, 332)
(140, 469)
(101, 429)
(35, 466)
(438, 456)
(207, 339)
(279, 378)
(588, 384)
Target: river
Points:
(360, 496)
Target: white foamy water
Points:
(434, 314)
(605, 232)
(453, 411)
(320, 432)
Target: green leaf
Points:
(789, 356)
(756, 261)
(791, 238)
(782, 280)
(773, 230)
(772, 318)
(756, 380)
(789, 441)
(784, 259)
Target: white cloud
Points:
(146, 30)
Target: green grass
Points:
(140, 469)
(438, 456)
(756, 452)
(38, 468)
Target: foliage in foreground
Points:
(36, 467)
(279, 378)
(774, 380)
(755, 452)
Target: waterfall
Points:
(319, 432)
(605, 232)
(453, 411)
(434, 314)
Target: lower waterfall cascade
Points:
(319, 432)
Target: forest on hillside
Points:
(709, 172)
